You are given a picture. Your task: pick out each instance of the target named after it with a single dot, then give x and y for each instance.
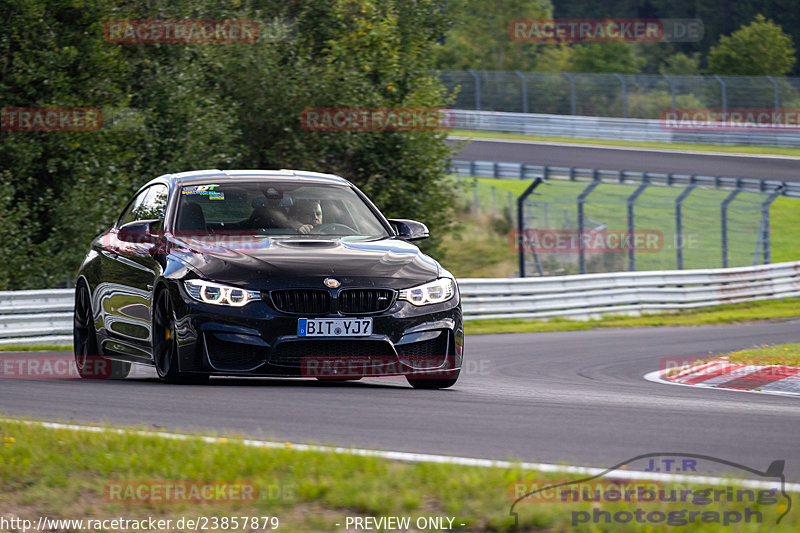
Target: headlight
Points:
(433, 292)
(216, 293)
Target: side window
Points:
(129, 215)
(154, 205)
(151, 203)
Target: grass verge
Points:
(723, 314)
(66, 474)
(723, 148)
(35, 347)
(778, 354)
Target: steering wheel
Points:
(333, 227)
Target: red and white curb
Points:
(722, 374)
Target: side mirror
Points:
(139, 231)
(409, 230)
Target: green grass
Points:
(62, 474)
(724, 314)
(35, 347)
(737, 149)
(655, 210)
(778, 354)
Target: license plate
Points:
(334, 327)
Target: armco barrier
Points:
(623, 129)
(45, 317)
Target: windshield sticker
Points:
(213, 195)
(204, 190)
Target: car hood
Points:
(264, 263)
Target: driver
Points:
(308, 216)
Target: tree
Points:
(479, 38)
(681, 65)
(179, 106)
(606, 57)
(761, 48)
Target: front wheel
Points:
(165, 344)
(88, 361)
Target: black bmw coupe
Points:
(265, 273)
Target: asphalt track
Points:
(642, 160)
(574, 397)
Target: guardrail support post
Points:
(581, 199)
(624, 94)
(679, 221)
(631, 201)
(724, 225)
(573, 101)
(524, 91)
(477, 89)
(521, 228)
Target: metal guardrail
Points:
(525, 171)
(632, 293)
(625, 129)
(45, 317)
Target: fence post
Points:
(724, 93)
(475, 196)
(624, 95)
(764, 231)
(524, 91)
(581, 199)
(672, 91)
(477, 89)
(571, 79)
(777, 96)
(679, 221)
(521, 228)
(631, 201)
(724, 225)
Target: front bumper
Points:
(258, 340)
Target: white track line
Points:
(626, 148)
(427, 458)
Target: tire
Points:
(84, 341)
(165, 344)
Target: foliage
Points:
(606, 57)
(172, 107)
(759, 49)
(479, 38)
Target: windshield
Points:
(277, 209)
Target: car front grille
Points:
(364, 301)
(292, 352)
(302, 301)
